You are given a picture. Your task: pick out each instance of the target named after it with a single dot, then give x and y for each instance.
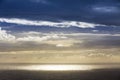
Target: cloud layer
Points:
(29, 36)
(4, 36)
(56, 41)
(61, 24)
(31, 47)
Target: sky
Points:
(59, 31)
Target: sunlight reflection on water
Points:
(54, 67)
(58, 67)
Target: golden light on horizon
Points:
(57, 67)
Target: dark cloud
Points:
(29, 46)
(24, 46)
(107, 42)
(83, 10)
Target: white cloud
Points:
(63, 45)
(33, 38)
(95, 30)
(31, 33)
(62, 24)
(105, 9)
(39, 39)
(4, 36)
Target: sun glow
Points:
(57, 67)
(52, 67)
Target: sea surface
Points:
(59, 71)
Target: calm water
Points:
(59, 72)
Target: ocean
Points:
(59, 71)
